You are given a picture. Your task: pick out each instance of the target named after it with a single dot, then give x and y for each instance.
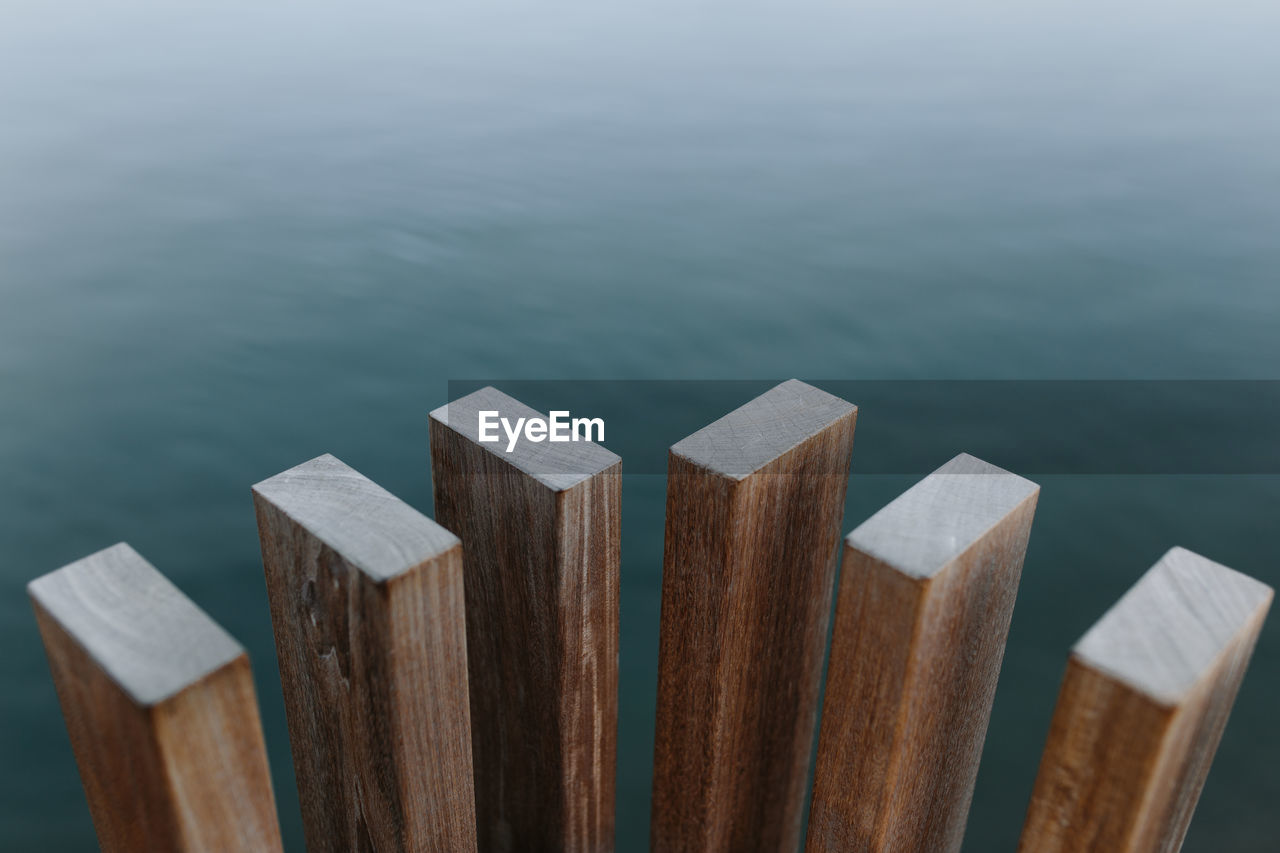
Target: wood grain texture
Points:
(160, 707)
(926, 598)
(754, 505)
(541, 528)
(1142, 708)
(367, 605)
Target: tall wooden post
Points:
(540, 526)
(160, 707)
(1143, 706)
(366, 602)
(754, 505)
(926, 597)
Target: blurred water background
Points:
(237, 236)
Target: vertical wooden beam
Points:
(754, 505)
(925, 602)
(366, 601)
(1143, 705)
(540, 526)
(160, 707)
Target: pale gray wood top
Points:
(754, 434)
(559, 465)
(138, 627)
(1171, 627)
(939, 518)
(371, 528)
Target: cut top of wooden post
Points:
(755, 434)
(925, 528)
(371, 528)
(1168, 630)
(148, 637)
(557, 465)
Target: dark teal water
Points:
(235, 238)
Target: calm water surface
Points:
(234, 238)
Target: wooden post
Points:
(1143, 705)
(160, 707)
(540, 526)
(926, 598)
(366, 601)
(754, 505)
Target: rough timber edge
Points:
(376, 576)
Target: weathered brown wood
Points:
(160, 707)
(541, 527)
(1142, 708)
(926, 597)
(367, 606)
(754, 505)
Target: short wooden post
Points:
(160, 707)
(1142, 708)
(754, 505)
(366, 602)
(926, 597)
(540, 525)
